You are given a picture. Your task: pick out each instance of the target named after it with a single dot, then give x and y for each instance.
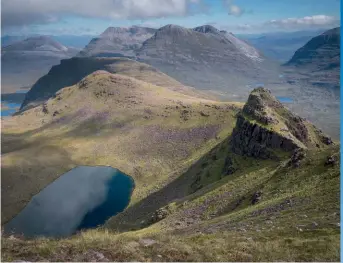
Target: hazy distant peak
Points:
(36, 43)
(206, 29)
(171, 27)
(171, 30)
(114, 30)
(111, 31)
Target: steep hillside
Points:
(117, 41)
(318, 62)
(23, 62)
(320, 53)
(71, 71)
(196, 198)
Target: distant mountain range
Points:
(280, 46)
(206, 58)
(24, 61)
(202, 57)
(76, 41)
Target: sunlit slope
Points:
(276, 200)
(147, 131)
(71, 71)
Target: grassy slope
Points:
(172, 144)
(296, 220)
(149, 132)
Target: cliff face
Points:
(253, 140)
(265, 126)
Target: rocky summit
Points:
(265, 125)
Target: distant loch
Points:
(285, 99)
(83, 198)
(10, 103)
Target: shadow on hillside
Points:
(176, 190)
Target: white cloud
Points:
(288, 24)
(24, 12)
(307, 21)
(233, 9)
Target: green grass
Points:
(210, 214)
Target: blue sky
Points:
(80, 17)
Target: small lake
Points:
(83, 198)
(10, 103)
(285, 99)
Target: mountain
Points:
(23, 62)
(71, 71)
(117, 41)
(318, 61)
(214, 181)
(41, 43)
(280, 46)
(320, 53)
(76, 41)
(207, 58)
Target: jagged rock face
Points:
(256, 107)
(253, 140)
(264, 124)
(264, 108)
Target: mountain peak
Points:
(206, 29)
(114, 30)
(172, 30)
(36, 43)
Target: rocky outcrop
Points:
(256, 108)
(159, 214)
(252, 140)
(265, 126)
(297, 156)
